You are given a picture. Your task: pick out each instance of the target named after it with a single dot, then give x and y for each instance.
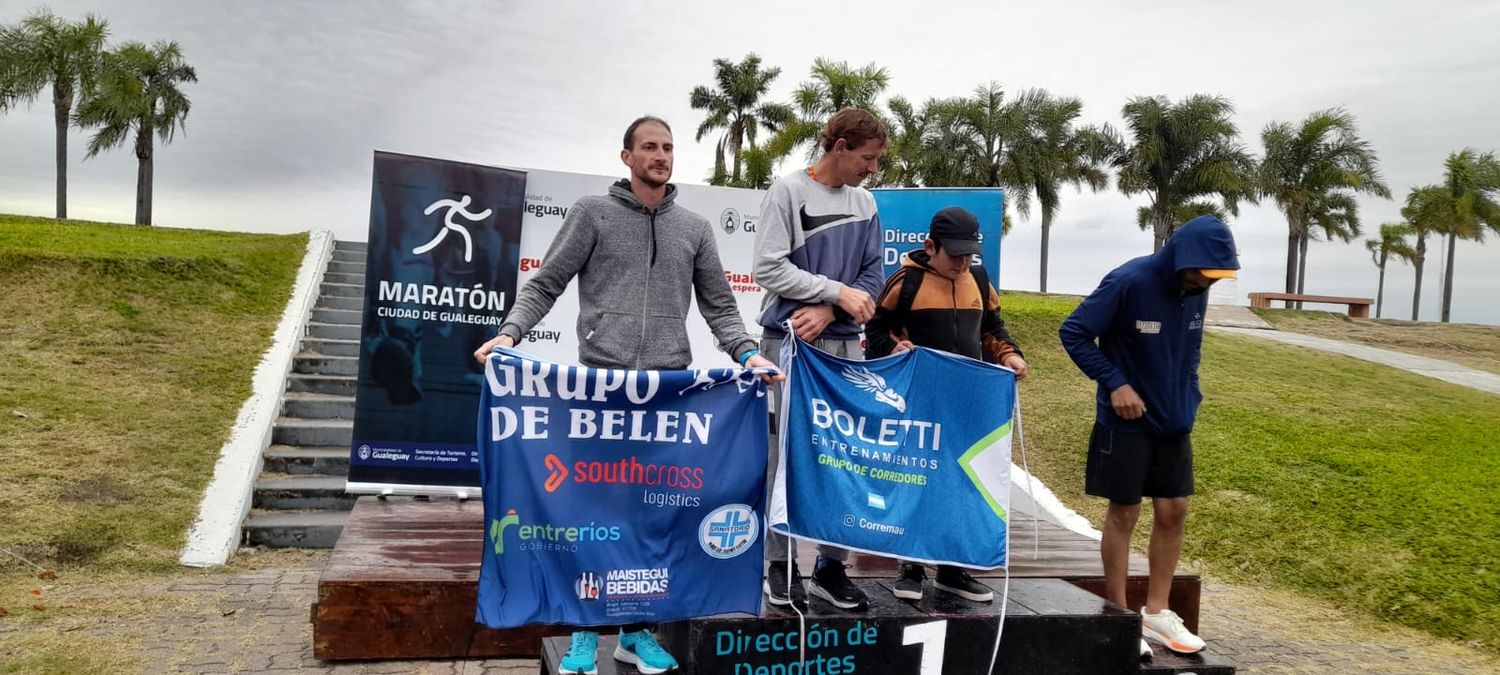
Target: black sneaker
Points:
(775, 587)
(909, 586)
(831, 583)
(958, 582)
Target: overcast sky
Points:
(294, 96)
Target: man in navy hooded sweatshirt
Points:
(1147, 316)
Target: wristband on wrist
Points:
(745, 358)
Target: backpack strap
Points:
(911, 281)
(982, 278)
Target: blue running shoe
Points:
(641, 649)
(581, 658)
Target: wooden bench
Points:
(1359, 308)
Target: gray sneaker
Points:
(909, 586)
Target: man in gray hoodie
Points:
(639, 258)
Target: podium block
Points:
(1051, 626)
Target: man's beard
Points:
(646, 179)
(1193, 290)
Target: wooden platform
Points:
(1060, 554)
(403, 582)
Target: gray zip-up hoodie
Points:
(637, 270)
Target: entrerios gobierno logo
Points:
(627, 471)
(538, 536)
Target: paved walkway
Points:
(1421, 365)
(262, 624)
(1264, 631)
(258, 622)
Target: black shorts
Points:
(1124, 466)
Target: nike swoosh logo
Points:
(810, 223)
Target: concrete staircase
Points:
(299, 498)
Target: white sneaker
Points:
(1145, 649)
(1166, 627)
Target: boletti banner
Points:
(905, 456)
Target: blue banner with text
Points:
(615, 496)
(906, 456)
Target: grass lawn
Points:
(125, 354)
(1472, 345)
(1359, 484)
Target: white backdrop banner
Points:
(549, 195)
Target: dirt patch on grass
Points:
(98, 488)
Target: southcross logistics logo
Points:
(549, 536)
(626, 471)
(558, 475)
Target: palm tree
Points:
(987, 128)
(1181, 213)
(905, 149)
(1462, 207)
(1424, 213)
(1050, 152)
(834, 86)
(962, 141)
(947, 150)
(1181, 153)
(734, 105)
(1311, 171)
(139, 90)
(759, 169)
(1391, 244)
(44, 49)
(1335, 216)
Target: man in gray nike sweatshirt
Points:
(818, 255)
(639, 258)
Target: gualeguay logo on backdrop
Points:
(731, 220)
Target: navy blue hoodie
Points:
(1149, 333)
